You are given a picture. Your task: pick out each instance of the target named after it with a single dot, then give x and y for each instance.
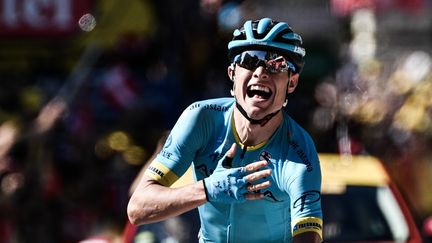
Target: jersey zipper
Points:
(231, 226)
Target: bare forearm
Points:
(152, 202)
(309, 237)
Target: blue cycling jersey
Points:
(292, 205)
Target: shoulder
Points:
(210, 107)
(219, 104)
(207, 111)
(302, 143)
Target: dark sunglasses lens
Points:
(250, 62)
(272, 62)
(277, 65)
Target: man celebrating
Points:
(257, 173)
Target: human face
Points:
(261, 89)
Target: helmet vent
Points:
(237, 32)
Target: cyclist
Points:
(257, 173)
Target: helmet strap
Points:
(286, 96)
(267, 118)
(261, 122)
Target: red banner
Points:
(41, 17)
(343, 8)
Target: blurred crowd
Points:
(77, 128)
(76, 131)
(378, 102)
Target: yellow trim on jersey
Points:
(186, 179)
(307, 224)
(237, 138)
(161, 173)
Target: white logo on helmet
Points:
(263, 43)
(300, 50)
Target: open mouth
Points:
(259, 91)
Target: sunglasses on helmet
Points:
(272, 62)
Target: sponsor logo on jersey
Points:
(307, 225)
(301, 154)
(268, 194)
(156, 170)
(216, 107)
(265, 155)
(194, 106)
(165, 153)
(307, 198)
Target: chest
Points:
(277, 154)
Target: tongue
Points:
(258, 93)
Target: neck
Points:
(251, 134)
(262, 122)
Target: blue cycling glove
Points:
(226, 185)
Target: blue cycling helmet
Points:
(266, 34)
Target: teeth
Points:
(260, 88)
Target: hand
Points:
(234, 185)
